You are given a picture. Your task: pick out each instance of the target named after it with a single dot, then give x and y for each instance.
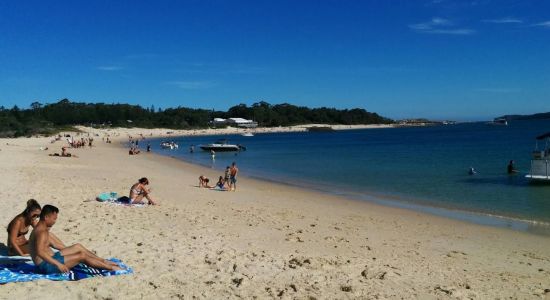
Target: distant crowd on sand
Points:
(134, 144)
(75, 141)
(227, 182)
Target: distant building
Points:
(235, 122)
(218, 121)
(240, 122)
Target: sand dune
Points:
(264, 241)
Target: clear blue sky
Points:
(439, 59)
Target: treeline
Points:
(538, 116)
(47, 119)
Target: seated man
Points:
(61, 262)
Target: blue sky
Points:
(441, 59)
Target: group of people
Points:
(82, 142)
(134, 151)
(64, 153)
(228, 182)
(41, 242)
(134, 145)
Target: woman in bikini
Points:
(138, 191)
(19, 227)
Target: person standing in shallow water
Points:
(511, 168)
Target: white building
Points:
(218, 121)
(235, 122)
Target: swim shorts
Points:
(233, 179)
(46, 268)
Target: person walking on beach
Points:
(48, 262)
(233, 171)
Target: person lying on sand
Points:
(64, 153)
(133, 151)
(48, 262)
(19, 227)
(139, 190)
(204, 182)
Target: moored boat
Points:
(540, 160)
(499, 121)
(222, 146)
(169, 145)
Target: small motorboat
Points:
(169, 145)
(222, 146)
(499, 122)
(247, 134)
(540, 160)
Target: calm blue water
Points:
(420, 168)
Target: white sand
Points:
(264, 241)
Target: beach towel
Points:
(21, 269)
(111, 198)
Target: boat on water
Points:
(222, 146)
(168, 145)
(247, 134)
(499, 122)
(540, 160)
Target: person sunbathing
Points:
(64, 153)
(133, 151)
(48, 262)
(19, 227)
(139, 190)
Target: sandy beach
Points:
(263, 241)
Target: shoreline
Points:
(531, 226)
(381, 202)
(265, 240)
(164, 132)
(471, 217)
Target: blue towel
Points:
(17, 269)
(109, 196)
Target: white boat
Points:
(169, 145)
(222, 146)
(247, 134)
(499, 121)
(540, 161)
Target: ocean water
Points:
(422, 168)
